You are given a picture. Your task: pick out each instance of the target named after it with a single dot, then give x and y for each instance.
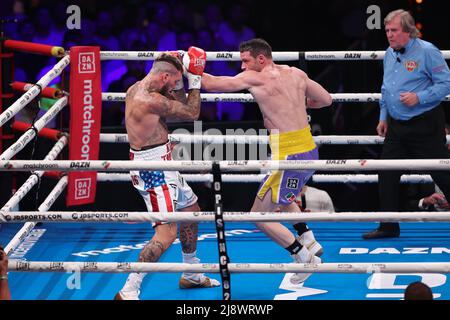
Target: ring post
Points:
(220, 228)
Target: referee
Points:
(416, 78)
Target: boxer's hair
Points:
(256, 47)
(164, 63)
(406, 21)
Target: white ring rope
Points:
(257, 178)
(276, 55)
(227, 166)
(164, 267)
(208, 216)
(45, 206)
(32, 93)
(250, 139)
(247, 97)
(34, 178)
(28, 136)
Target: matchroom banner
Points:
(85, 121)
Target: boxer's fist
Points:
(194, 61)
(177, 54)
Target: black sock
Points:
(294, 247)
(301, 228)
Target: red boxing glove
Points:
(194, 60)
(194, 63)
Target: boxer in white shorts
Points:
(149, 102)
(163, 191)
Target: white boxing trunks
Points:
(163, 191)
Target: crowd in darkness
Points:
(156, 25)
(141, 26)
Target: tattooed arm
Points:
(176, 110)
(179, 95)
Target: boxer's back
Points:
(144, 127)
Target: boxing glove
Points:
(194, 61)
(179, 55)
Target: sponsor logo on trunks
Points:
(336, 162)
(290, 197)
(411, 65)
(292, 183)
(352, 56)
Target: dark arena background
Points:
(214, 26)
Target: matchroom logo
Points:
(82, 188)
(86, 62)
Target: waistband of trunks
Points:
(291, 142)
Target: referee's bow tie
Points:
(401, 50)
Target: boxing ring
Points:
(86, 255)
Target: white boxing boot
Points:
(303, 256)
(307, 239)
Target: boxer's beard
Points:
(164, 90)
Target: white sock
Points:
(191, 258)
(303, 256)
(308, 236)
(133, 282)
